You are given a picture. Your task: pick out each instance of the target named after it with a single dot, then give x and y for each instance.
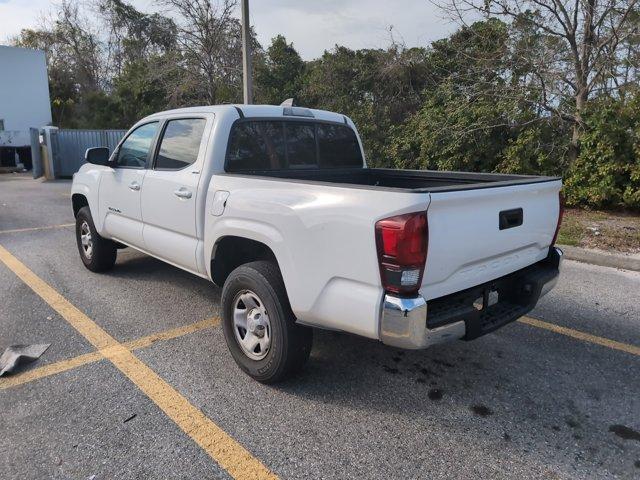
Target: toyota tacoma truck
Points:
(276, 205)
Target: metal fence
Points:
(68, 147)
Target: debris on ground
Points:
(616, 232)
(131, 417)
(17, 355)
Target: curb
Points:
(602, 258)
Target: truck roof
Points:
(252, 111)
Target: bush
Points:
(606, 174)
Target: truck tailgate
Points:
(467, 245)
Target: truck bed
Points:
(468, 242)
(419, 181)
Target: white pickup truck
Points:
(277, 206)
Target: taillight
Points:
(560, 215)
(402, 243)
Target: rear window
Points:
(275, 145)
(300, 139)
(256, 146)
(338, 146)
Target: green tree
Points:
(210, 42)
(575, 51)
(137, 92)
(143, 57)
(463, 122)
(134, 36)
(376, 88)
(607, 172)
(280, 76)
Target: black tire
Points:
(102, 255)
(290, 343)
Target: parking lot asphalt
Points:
(138, 382)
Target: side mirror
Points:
(97, 155)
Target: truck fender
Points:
(252, 230)
(82, 194)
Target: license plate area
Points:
(490, 297)
(489, 306)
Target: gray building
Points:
(24, 102)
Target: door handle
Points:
(510, 218)
(134, 186)
(182, 193)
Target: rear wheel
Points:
(259, 326)
(98, 254)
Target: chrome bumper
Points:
(403, 322)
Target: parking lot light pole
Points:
(247, 82)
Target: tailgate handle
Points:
(510, 218)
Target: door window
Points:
(180, 143)
(134, 150)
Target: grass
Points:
(604, 230)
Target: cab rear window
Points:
(278, 145)
(338, 146)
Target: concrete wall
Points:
(24, 94)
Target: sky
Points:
(312, 25)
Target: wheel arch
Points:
(79, 200)
(231, 251)
(84, 192)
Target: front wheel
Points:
(259, 326)
(98, 254)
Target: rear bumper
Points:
(414, 323)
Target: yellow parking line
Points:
(169, 334)
(80, 360)
(226, 451)
(34, 229)
(585, 337)
(48, 370)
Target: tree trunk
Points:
(574, 146)
(212, 90)
(583, 66)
